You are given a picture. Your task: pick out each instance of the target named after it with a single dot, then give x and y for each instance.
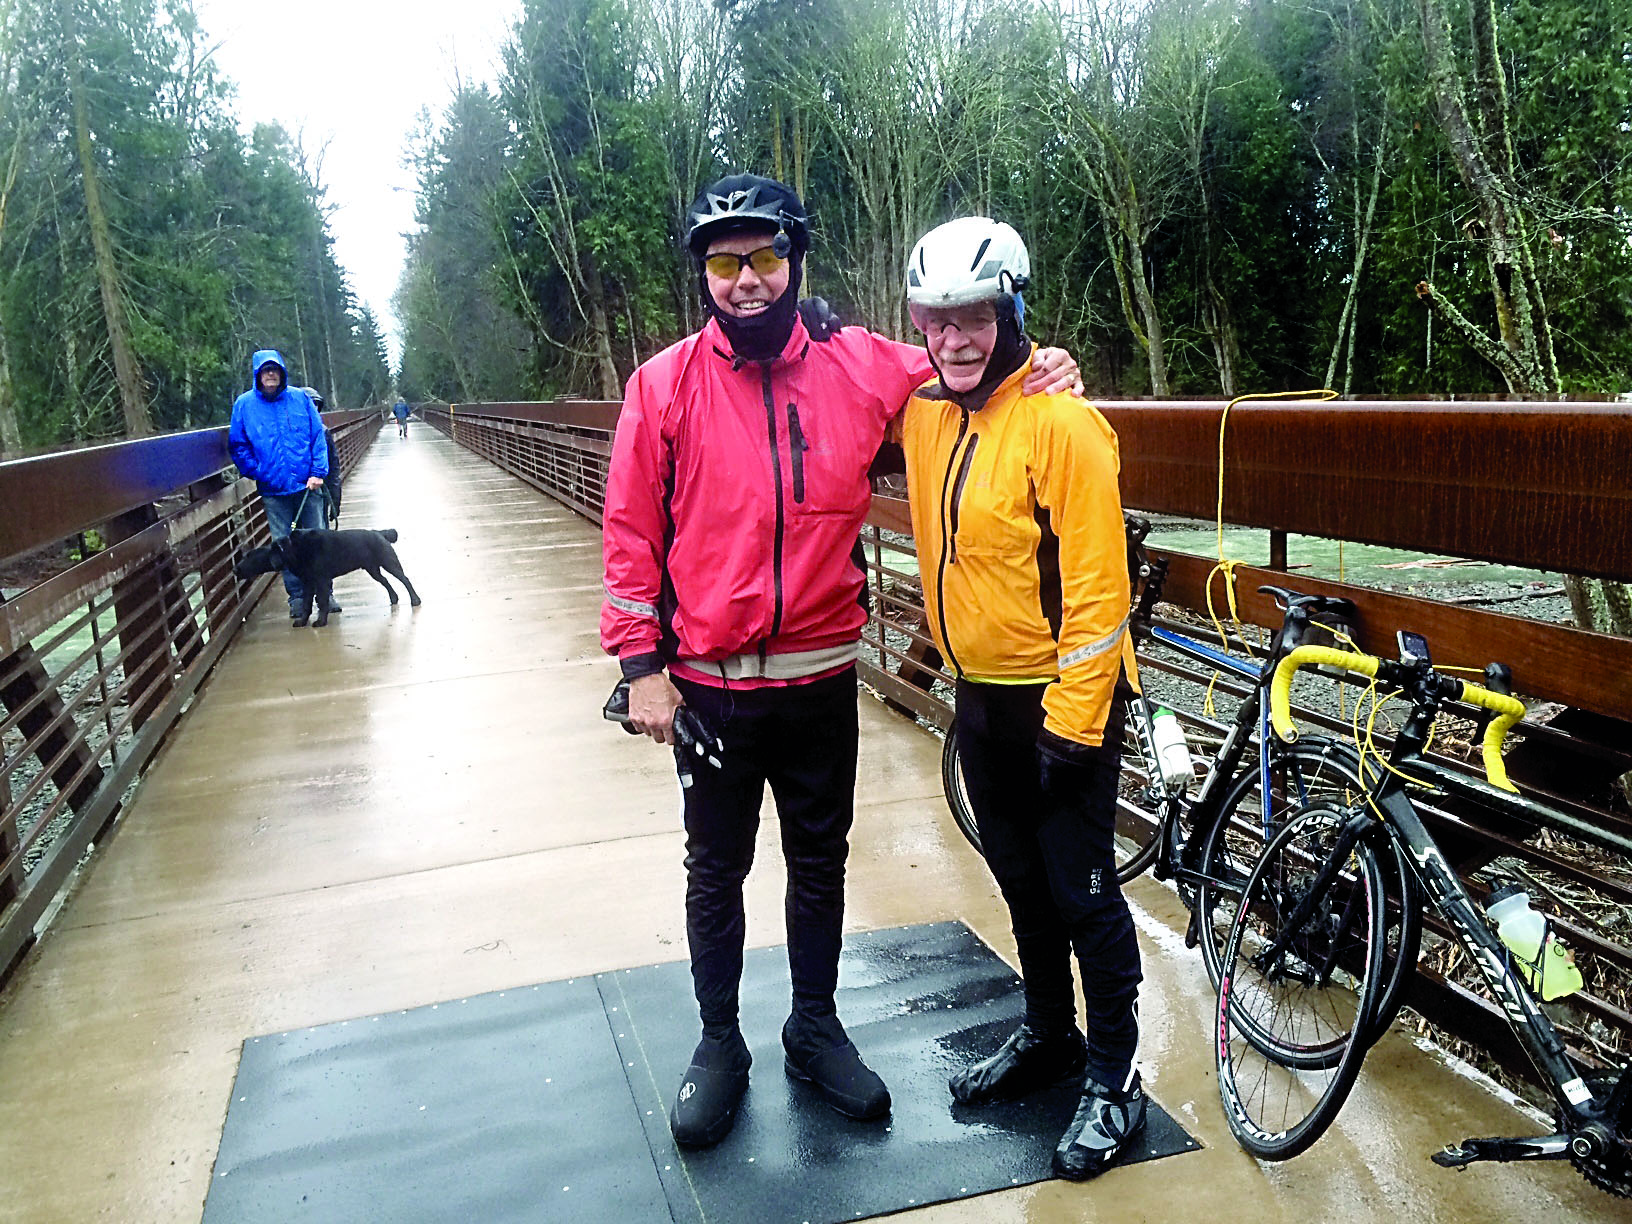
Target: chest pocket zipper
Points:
(797, 446)
(957, 496)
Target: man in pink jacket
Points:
(734, 504)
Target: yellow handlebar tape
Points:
(1280, 689)
(1508, 710)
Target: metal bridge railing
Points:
(1531, 484)
(99, 656)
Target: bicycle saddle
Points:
(1315, 605)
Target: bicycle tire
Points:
(1274, 1110)
(1314, 770)
(1136, 838)
(957, 795)
(1142, 802)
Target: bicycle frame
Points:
(1392, 814)
(1175, 860)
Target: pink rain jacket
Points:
(737, 493)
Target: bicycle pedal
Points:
(1451, 1157)
(1192, 932)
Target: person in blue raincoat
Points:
(277, 441)
(400, 411)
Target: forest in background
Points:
(147, 245)
(1389, 197)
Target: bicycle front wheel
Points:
(1302, 969)
(1312, 771)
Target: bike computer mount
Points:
(1414, 651)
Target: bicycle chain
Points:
(1611, 1172)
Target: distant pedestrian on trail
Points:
(400, 411)
(734, 503)
(277, 440)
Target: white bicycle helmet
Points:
(972, 259)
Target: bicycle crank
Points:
(1542, 1147)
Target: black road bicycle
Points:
(1308, 940)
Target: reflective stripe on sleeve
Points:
(630, 606)
(1083, 653)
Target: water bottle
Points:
(1545, 963)
(1172, 753)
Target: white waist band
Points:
(795, 665)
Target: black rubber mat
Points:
(551, 1103)
(511, 1106)
(919, 1002)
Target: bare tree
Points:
(1481, 145)
(1133, 168)
(132, 393)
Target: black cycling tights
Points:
(802, 739)
(1046, 824)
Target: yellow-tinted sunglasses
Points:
(728, 265)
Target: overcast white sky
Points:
(354, 74)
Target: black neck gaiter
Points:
(763, 336)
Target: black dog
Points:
(319, 557)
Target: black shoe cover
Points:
(1022, 1064)
(1107, 1119)
(819, 1053)
(706, 1105)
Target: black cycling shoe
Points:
(819, 1053)
(705, 1108)
(1106, 1122)
(1024, 1063)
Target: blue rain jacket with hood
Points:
(277, 441)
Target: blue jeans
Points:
(280, 517)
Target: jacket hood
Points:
(263, 357)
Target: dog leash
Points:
(301, 508)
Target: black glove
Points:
(1067, 767)
(818, 317)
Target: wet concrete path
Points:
(416, 805)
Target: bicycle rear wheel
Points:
(1143, 804)
(957, 794)
(1138, 823)
(1312, 771)
(1307, 990)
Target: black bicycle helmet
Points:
(748, 201)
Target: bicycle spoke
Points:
(1300, 960)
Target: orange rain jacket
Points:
(1021, 546)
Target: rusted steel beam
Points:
(27, 684)
(1591, 671)
(580, 414)
(1542, 485)
(50, 497)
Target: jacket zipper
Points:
(776, 466)
(797, 445)
(949, 515)
(957, 492)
